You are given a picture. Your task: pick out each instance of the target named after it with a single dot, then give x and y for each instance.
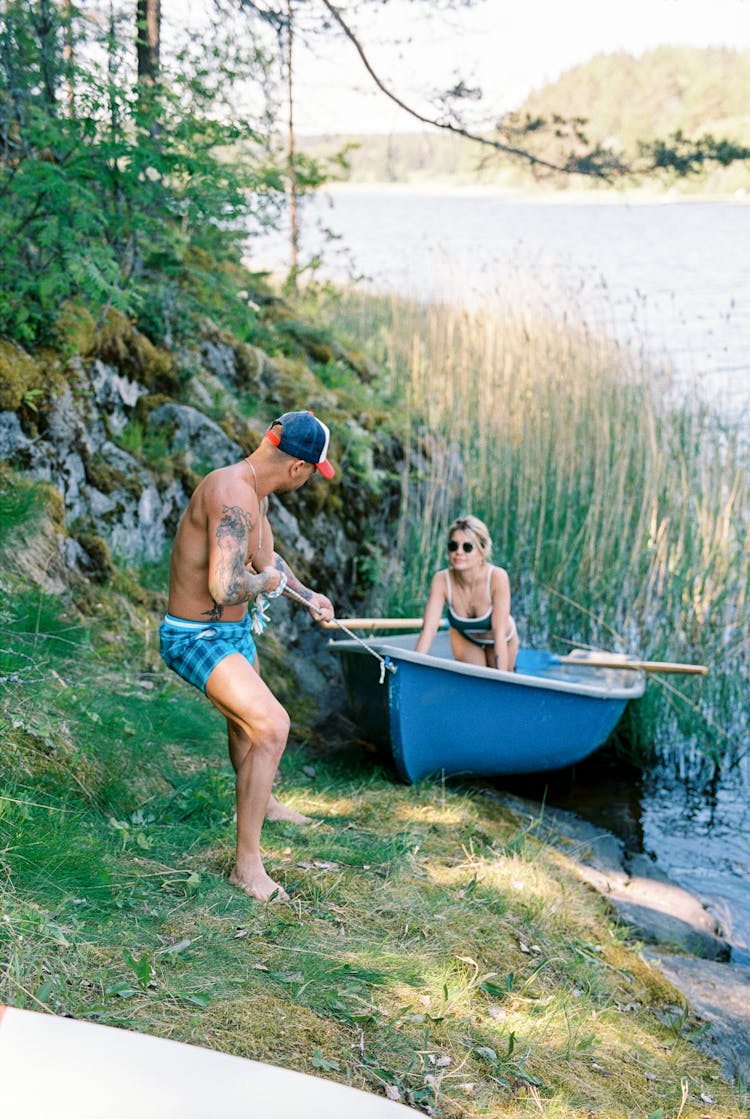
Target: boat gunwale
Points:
(596, 691)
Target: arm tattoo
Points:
(232, 533)
(292, 580)
(235, 524)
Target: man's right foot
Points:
(259, 886)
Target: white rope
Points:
(259, 618)
(385, 664)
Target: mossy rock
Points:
(108, 479)
(247, 365)
(359, 362)
(118, 343)
(102, 569)
(297, 387)
(147, 404)
(22, 379)
(75, 329)
(188, 478)
(312, 340)
(253, 364)
(237, 428)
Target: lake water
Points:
(696, 829)
(670, 280)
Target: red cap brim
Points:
(325, 468)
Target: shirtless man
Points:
(223, 558)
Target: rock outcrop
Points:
(683, 940)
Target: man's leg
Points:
(276, 811)
(258, 728)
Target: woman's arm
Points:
(500, 591)
(433, 612)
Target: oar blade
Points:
(594, 659)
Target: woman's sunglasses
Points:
(453, 546)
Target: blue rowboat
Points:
(438, 715)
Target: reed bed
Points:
(621, 513)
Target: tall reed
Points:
(621, 514)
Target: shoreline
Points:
(610, 197)
(678, 936)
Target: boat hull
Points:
(439, 717)
(54, 1066)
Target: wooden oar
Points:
(620, 660)
(380, 623)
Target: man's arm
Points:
(229, 582)
(319, 606)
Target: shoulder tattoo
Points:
(235, 524)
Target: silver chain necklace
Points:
(260, 511)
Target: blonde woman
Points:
(476, 597)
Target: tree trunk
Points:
(292, 187)
(148, 40)
(46, 28)
(68, 60)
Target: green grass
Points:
(433, 947)
(622, 516)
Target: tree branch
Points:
(447, 126)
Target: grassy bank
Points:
(434, 949)
(621, 514)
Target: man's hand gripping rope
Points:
(259, 618)
(385, 664)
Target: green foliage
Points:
(150, 445)
(17, 502)
(688, 157)
(115, 197)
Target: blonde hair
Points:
(478, 529)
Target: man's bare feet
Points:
(276, 811)
(259, 886)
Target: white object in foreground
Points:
(61, 1067)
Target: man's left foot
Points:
(276, 812)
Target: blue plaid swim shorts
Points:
(193, 649)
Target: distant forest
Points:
(614, 99)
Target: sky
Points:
(506, 47)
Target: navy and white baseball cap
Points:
(303, 436)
